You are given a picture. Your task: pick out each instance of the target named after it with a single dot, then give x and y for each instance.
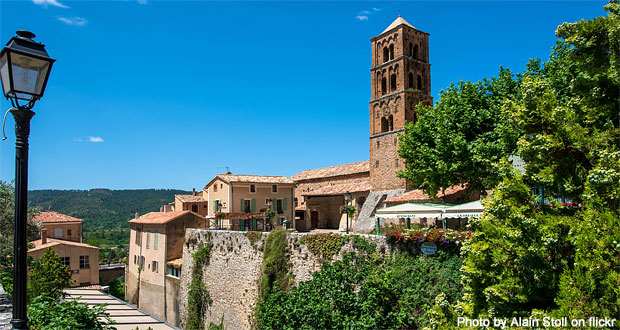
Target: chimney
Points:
(194, 191)
(43, 235)
(137, 214)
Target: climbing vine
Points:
(274, 272)
(324, 245)
(198, 297)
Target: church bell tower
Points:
(400, 79)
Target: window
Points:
(135, 257)
(383, 86)
(194, 208)
(66, 261)
(252, 189)
(384, 125)
(393, 82)
(280, 206)
(155, 267)
(296, 202)
(386, 54)
(420, 82)
(156, 242)
(416, 51)
(58, 233)
(84, 262)
(411, 80)
(215, 188)
(410, 49)
(141, 262)
(246, 205)
(274, 188)
(377, 163)
(148, 239)
(391, 51)
(390, 123)
(174, 271)
(68, 232)
(378, 144)
(138, 237)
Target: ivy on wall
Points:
(274, 271)
(198, 297)
(324, 245)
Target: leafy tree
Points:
(460, 139)
(48, 276)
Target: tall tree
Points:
(462, 137)
(48, 276)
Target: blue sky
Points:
(165, 94)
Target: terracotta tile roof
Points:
(300, 208)
(326, 172)
(190, 198)
(175, 262)
(160, 218)
(51, 216)
(419, 195)
(254, 178)
(339, 189)
(55, 241)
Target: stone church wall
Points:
(235, 268)
(384, 162)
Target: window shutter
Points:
(214, 204)
(284, 204)
(242, 205)
(253, 205)
(253, 223)
(241, 224)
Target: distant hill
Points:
(102, 208)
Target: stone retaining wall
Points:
(235, 267)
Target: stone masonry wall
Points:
(235, 268)
(384, 162)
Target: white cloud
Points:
(77, 21)
(376, 9)
(45, 3)
(95, 139)
(361, 17)
(364, 12)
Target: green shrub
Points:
(253, 236)
(324, 245)
(48, 276)
(365, 291)
(46, 313)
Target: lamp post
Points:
(24, 69)
(218, 207)
(269, 211)
(347, 200)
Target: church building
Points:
(400, 79)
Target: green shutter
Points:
(253, 223)
(253, 205)
(242, 205)
(284, 204)
(214, 205)
(242, 225)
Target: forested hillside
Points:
(102, 208)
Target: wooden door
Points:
(314, 219)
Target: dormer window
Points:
(253, 188)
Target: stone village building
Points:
(155, 250)
(243, 199)
(63, 233)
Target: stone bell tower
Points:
(400, 79)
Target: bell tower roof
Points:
(396, 23)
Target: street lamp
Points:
(347, 200)
(24, 69)
(269, 211)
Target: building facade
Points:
(156, 239)
(60, 226)
(245, 198)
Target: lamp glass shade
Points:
(23, 76)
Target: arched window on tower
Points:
(416, 52)
(393, 82)
(420, 83)
(410, 50)
(390, 121)
(411, 80)
(391, 51)
(386, 54)
(384, 125)
(383, 86)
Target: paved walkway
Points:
(127, 317)
(6, 310)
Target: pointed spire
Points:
(396, 23)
